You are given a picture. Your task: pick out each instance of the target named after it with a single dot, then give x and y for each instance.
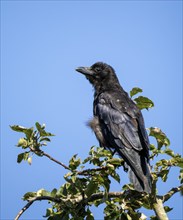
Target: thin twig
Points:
(82, 172)
(56, 161)
(170, 193)
(42, 153)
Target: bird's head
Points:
(99, 74)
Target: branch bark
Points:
(56, 161)
(157, 205)
(159, 209)
(78, 199)
(42, 153)
(170, 193)
(82, 173)
(86, 172)
(40, 198)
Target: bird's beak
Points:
(85, 70)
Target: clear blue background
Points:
(42, 42)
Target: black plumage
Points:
(118, 123)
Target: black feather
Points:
(118, 124)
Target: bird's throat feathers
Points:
(106, 84)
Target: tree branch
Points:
(89, 171)
(100, 195)
(78, 199)
(82, 172)
(40, 198)
(157, 206)
(159, 209)
(42, 153)
(56, 161)
(170, 193)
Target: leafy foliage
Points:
(134, 91)
(33, 141)
(141, 101)
(85, 187)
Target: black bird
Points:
(118, 123)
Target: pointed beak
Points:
(85, 71)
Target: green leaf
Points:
(169, 152)
(22, 143)
(92, 149)
(115, 161)
(128, 217)
(38, 126)
(22, 156)
(61, 191)
(164, 175)
(101, 152)
(152, 147)
(43, 192)
(91, 188)
(179, 162)
(146, 203)
(18, 128)
(86, 160)
(143, 102)
(127, 187)
(29, 195)
(49, 212)
(43, 133)
(73, 178)
(116, 176)
(160, 136)
(45, 139)
(26, 155)
(106, 184)
(134, 91)
(99, 179)
(110, 167)
(74, 163)
(29, 133)
(53, 192)
(167, 208)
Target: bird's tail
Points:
(143, 184)
(138, 170)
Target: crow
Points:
(118, 124)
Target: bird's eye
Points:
(97, 69)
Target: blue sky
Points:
(42, 42)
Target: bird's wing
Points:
(122, 127)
